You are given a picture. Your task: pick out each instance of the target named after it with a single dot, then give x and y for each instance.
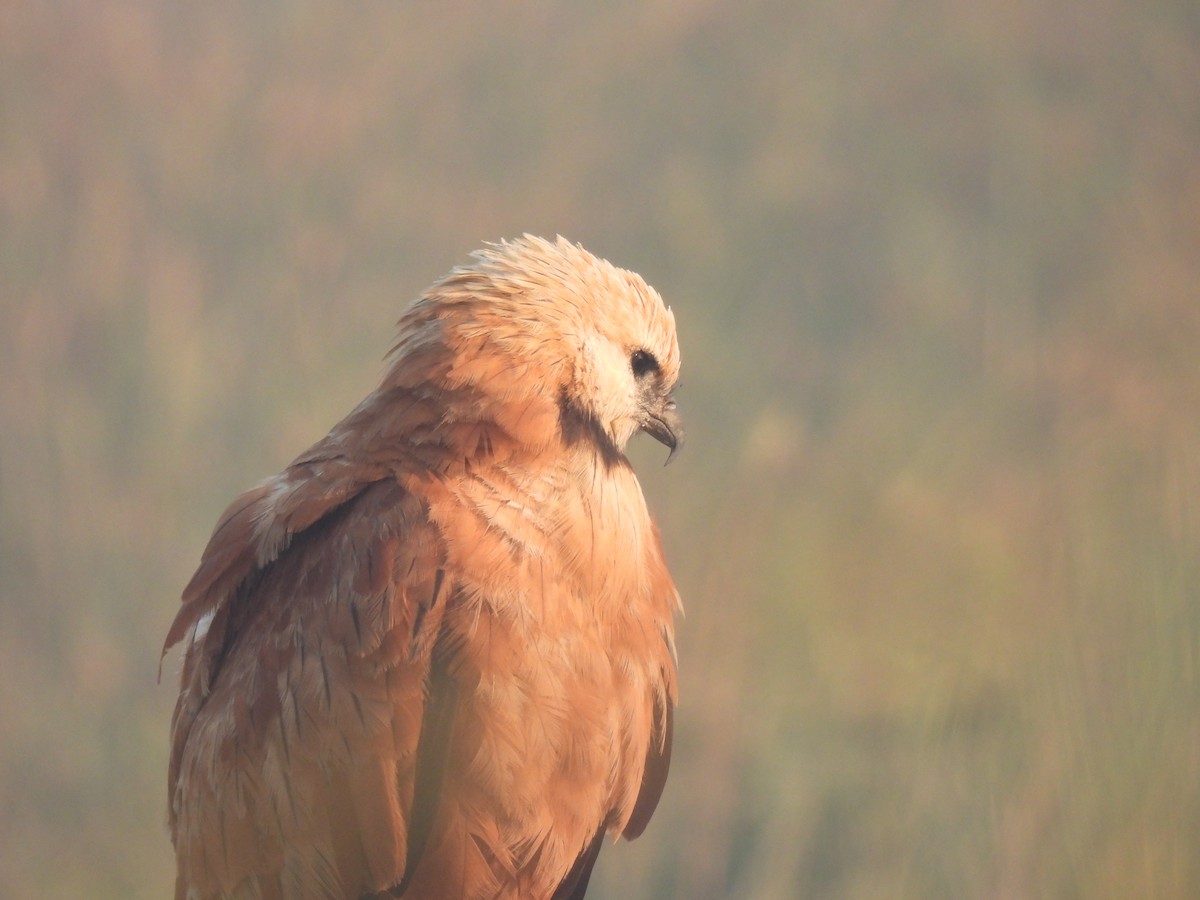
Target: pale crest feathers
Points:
(541, 318)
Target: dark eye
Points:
(643, 363)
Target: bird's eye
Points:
(643, 363)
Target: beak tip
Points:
(666, 428)
(675, 447)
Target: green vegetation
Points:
(936, 268)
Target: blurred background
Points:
(936, 268)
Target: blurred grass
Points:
(935, 268)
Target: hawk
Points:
(434, 656)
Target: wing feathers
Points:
(226, 561)
(433, 752)
(574, 885)
(654, 775)
(311, 690)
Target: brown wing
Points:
(654, 775)
(658, 750)
(310, 629)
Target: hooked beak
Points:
(665, 426)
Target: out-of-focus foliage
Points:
(937, 272)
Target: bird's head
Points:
(534, 325)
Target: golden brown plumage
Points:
(433, 657)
